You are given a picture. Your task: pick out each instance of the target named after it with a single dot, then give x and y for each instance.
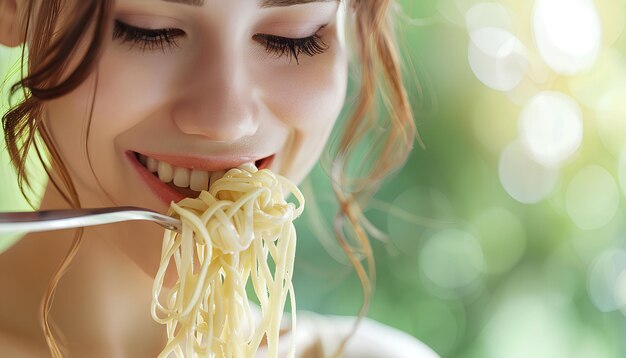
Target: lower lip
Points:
(160, 189)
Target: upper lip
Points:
(205, 163)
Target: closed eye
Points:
(168, 38)
(147, 39)
(292, 48)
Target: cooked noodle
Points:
(226, 237)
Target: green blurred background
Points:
(506, 232)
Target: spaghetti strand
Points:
(229, 233)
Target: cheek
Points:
(127, 94)
(131, 88)
(307, 97)
(66, 119)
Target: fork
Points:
(65, 219)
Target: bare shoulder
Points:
(372, 339)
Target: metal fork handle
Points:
(66, 219)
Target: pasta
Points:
(227, 235)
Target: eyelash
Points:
(292, 48)
(163, 39)
(147, 39)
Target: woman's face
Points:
(192, 87)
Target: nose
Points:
(218, 102)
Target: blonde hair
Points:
(390, 139)
(380, 81)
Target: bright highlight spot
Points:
(523, 178)
(551, 127)
(497, 58)
(568, 34)
(451, 259)
(592, 198)
(605, 281)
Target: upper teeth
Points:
(194, 179)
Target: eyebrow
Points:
(264, 3)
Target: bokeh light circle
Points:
(568, 34)
(605, 280)
(551, 127)
(523, 178)
(488, 14)
(608, 75)
(592, 198)
(497, 58)
(451, 259)
(526, 317)
(415, 211)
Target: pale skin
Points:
(217, 95)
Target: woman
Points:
(127, 94)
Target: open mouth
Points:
(175, 182)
